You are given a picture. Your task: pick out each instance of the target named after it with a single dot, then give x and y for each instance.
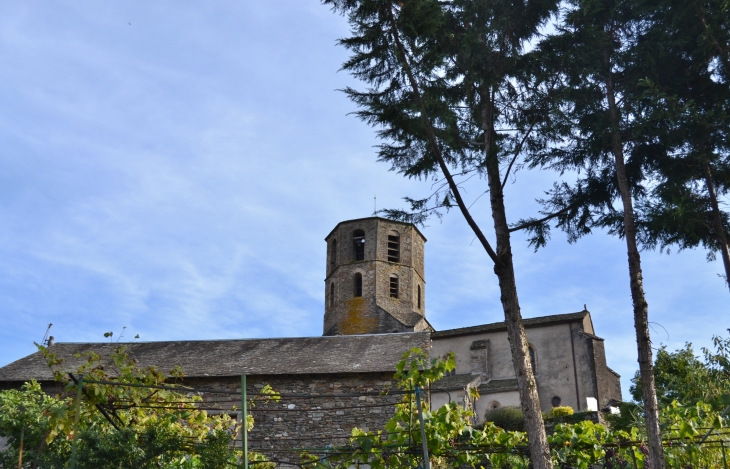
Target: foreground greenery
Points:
(453, 441)
(146, 425)
(163, 428)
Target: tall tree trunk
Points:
(504, 269)
(717, 220)
(641, 307)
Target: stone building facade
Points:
(333, 383)
(568, 359)
(328, 385)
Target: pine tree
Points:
(686, 111)
(593, 124)
(444, 99)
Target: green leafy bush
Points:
(508, 418)
(164, 428)
(561, 411)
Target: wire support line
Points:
(274, 395)
(180, 406)
(384, 393)
(325, 451)
(334, 437)
(170, 408)
(170, 388)
(486, 449)
(280, 462)
(329, 409)
(390, 448)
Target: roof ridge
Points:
(528, 322)
(236, 340)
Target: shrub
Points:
(508, 418)
(561, 411)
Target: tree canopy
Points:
(687, 378)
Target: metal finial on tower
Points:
(375, 205)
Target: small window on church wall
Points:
(394, 286)
(333, 253)
(332, 294)
(419, 297)
(358, 238)
(533, 361)
(393, 247)
(358, 284)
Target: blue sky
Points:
(173, 168)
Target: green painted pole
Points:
(74, 452)
(633, 456)
(244, 419)
(424, 443)
(724, 458)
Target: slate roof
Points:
(407, 318)
(498, 385)
(501, 326)
(459, 381)
(210, 358)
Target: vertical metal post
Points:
(244, 420)
(21, 411)
(74, 452)
(724, 458)
(633, 456)
(424, 443)
(20, 455)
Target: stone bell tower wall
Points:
(376, 310)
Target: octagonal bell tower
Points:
(375, 280)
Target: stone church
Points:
(375, 310)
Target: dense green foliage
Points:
(507, 417)
(442, 85)
(683, 377)
(134, 427)
(664, 61)
(686, 120)
(453, 442)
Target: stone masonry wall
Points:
(311, 422)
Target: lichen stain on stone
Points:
(355, 321)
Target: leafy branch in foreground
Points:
(139, 423)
